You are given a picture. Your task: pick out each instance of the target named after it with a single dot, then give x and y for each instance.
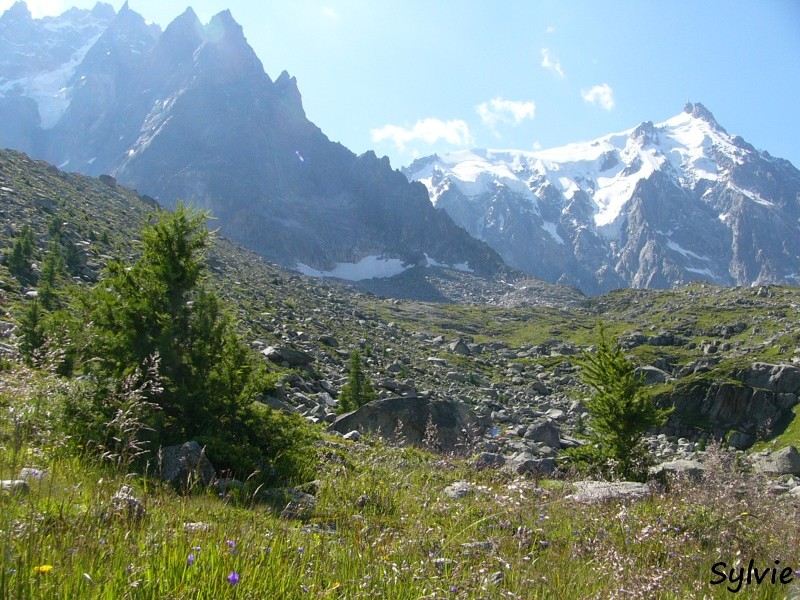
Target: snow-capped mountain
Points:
(189, 113)
(654, 206)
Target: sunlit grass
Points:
(382, 528)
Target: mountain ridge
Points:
(189, 113)
(629, 209)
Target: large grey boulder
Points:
(287, 355)
(544, 432)
(525, 463)
(488, 460)
(185, 463)
(785, 461)
(652, 375)
(459, 347)
(413, 415)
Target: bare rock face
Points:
(411, 417)
(759, 398)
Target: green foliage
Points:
(620, 413)
(161, 306)
(21, 255)
(358, 390)
(53, 270)
(31, 332)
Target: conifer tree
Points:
(31, 332)
(358, 390)
(620, 413)
(162, 306)
(21, 255)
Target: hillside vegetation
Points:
(376, 520)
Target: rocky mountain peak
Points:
(698, 111)
(658, 205)
(105, 11)
(224, 20)
(286, 89)
(17, 13)
(645, 133)
(186, 27)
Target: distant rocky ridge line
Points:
(656, 206)
(189, 113)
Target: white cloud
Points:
(600, 94)
(552, 64)
(430, 131)
(498, 110)
(550, 29)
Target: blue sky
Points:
(407, 78)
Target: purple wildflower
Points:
(190, 560)
(233, 578)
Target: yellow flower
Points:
(43, 569)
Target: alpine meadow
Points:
(238, 360)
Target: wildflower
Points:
(43, 568)
(233, 578)
(190, 560)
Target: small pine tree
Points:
(21, 256)
(209, 379)
(620, 413)
(358, 390)
(53, 268)
(31, 332)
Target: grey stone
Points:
(278, 404)
(590, 492)
(489, 460)
(652, 375)
(458, 490)
(181, 464)
(740, 440)
(301, 506)
(459, 347)
(353, 435)
(329, 340)
(544, 432)
(679, 467)
(14, 486)
(285, 354)
(124, 505)
(785, 461)
(537, 466)
(28, 473)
